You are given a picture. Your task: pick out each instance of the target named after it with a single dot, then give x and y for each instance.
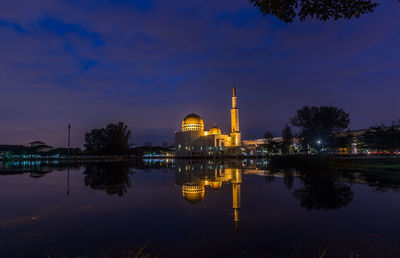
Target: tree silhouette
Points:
(320, 124)
(269, 143)
(344, 141)
(112, 140)
(288, 10)
(95, 141)
(287, 140)
(382, 138)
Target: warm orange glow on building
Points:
(193, 141)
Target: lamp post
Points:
(69, 137)
(69, 145)
(319, 142)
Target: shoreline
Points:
(307, 157)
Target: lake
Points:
(197, 208)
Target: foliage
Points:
(270, 144)
(320, 123)
(287, 139)
(344, 141)
(112, 140)
(95, 141)
(383, 138)
(268, 136)
(287, 10)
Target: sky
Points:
(149, 63)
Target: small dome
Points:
(216, 185)
(215, 130)
(193, 193)
(192, 122)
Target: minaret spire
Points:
(235, 132)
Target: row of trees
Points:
(284, 147)
(323, 128)
(382, 138)
(115, 139)
(319, 127)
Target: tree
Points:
(287, 10)
(270, 144)
(268, 137)
(95, 141)
(287, 139)
(382, 138)
(320, 124)
(112, 140)
(344, 142)
(118, 138)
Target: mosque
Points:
(194, 141)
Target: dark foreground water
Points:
(197, 209)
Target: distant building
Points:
(355, 136)
(30, 150)
(261, 141)
(40, 146)
(35, 144)
(5, 149)
(194, 141)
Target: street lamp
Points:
(319, 142)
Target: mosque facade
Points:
(195, 141)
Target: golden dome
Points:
(192, 122)
(216, 185)
(215, 130)
(193, 193)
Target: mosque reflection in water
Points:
(195, 176)
(318, 188)
(271, 203)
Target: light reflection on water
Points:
(196, 208)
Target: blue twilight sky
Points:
(150, 62)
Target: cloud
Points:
(12, 25)
(149, 63)
(62, 29)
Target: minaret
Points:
(235, 132)
(236, 182)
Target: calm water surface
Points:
(197, 209)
